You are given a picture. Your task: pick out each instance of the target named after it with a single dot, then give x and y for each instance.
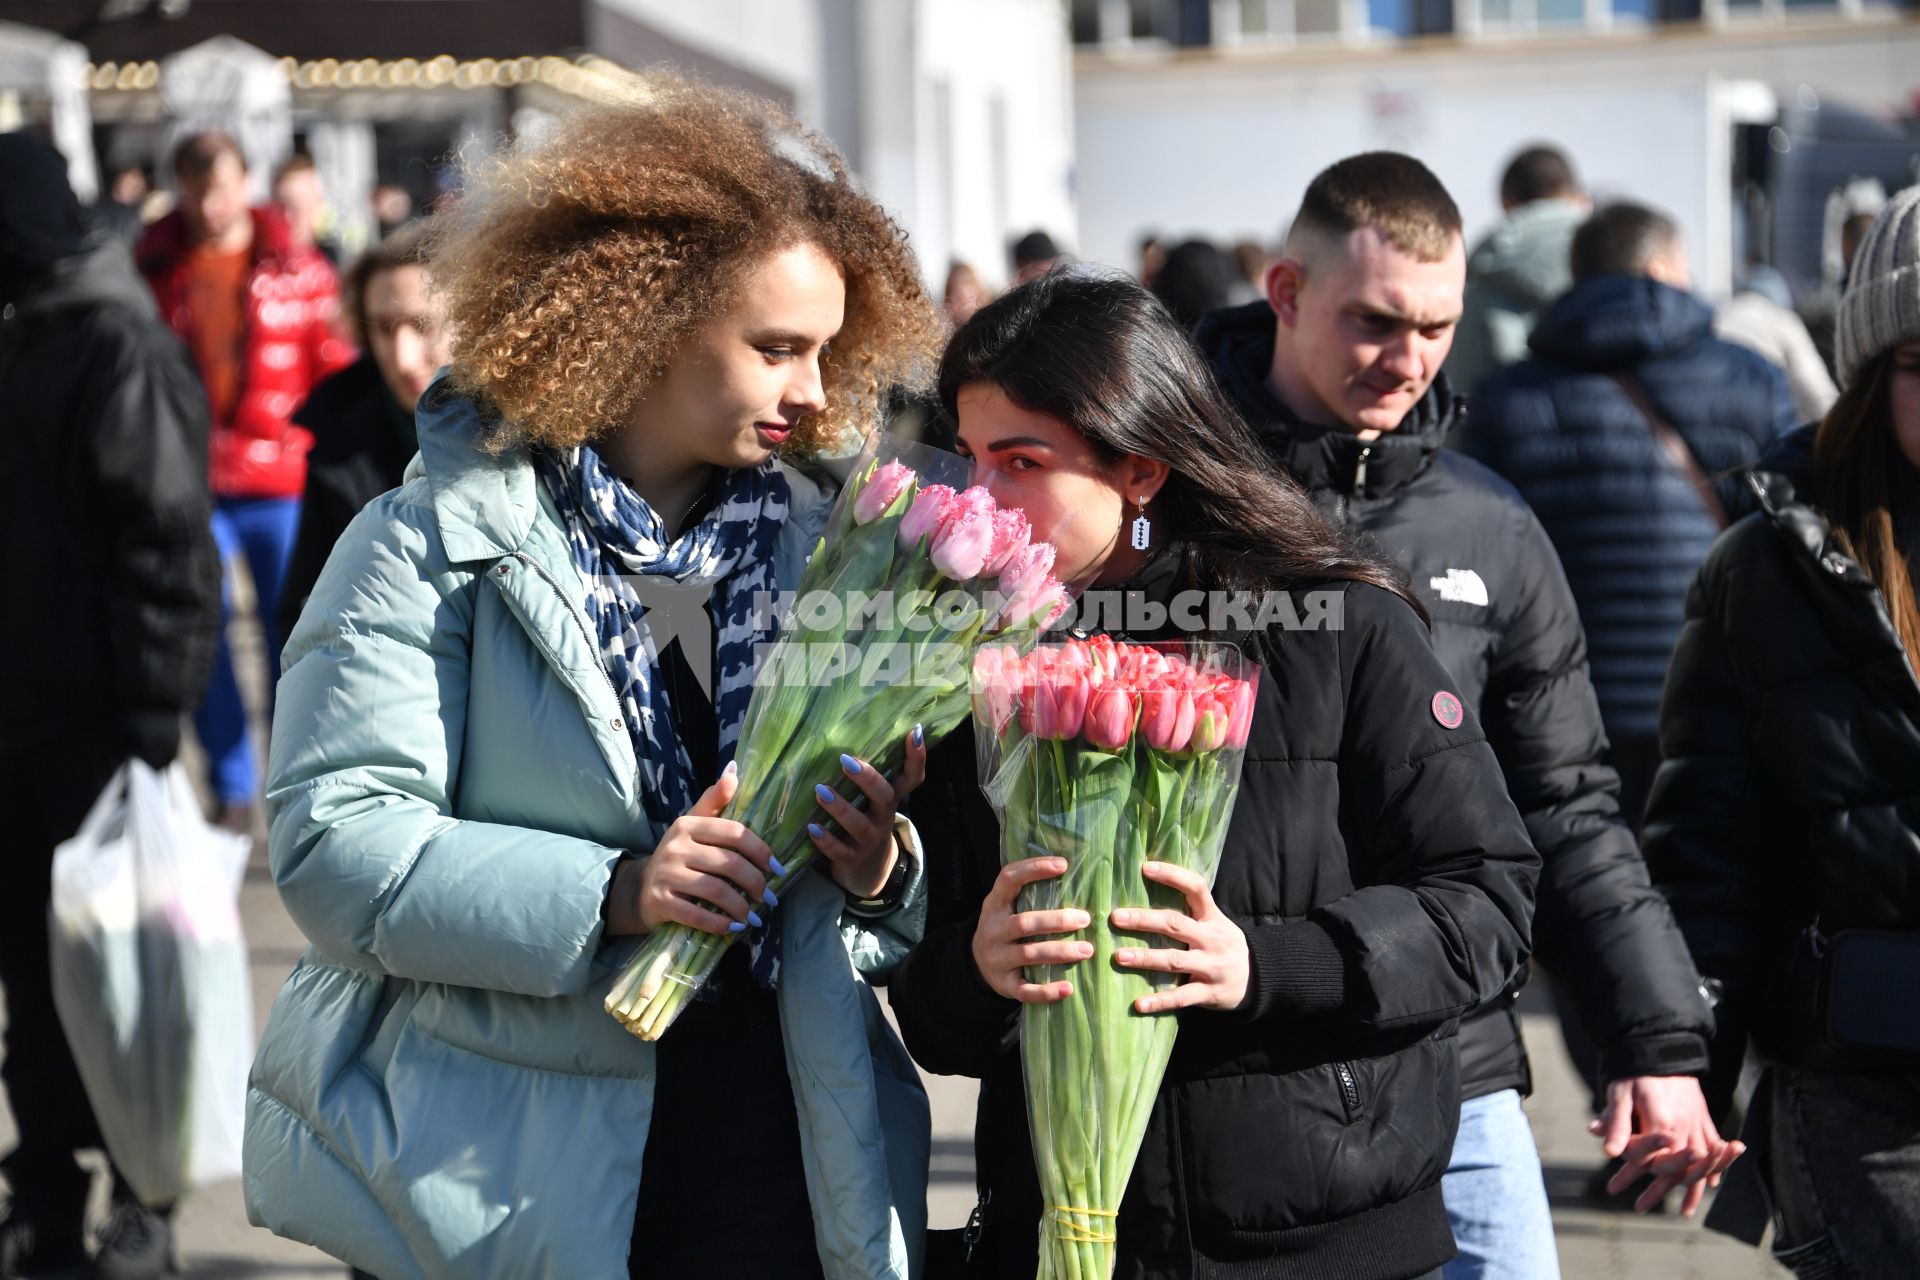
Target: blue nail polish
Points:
(773, 865)
(736, 927)
(815, 830)
(848, 763)
(753, 918)
(768, 895)
(919, 736)
(826, 793)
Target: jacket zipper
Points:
(1349, 1089)
(1342, 500)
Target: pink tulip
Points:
(1106, 655)
(1026, 569)
(1055, 592)
(926, 514)
(1011, 534)
(1058, 702)
(1209, 722)
(973, 500)
(882, 490)
(1110, 716)
(1042, 605)
(1167, 716)
(996, 672)
(1240, 702)
(961, 543)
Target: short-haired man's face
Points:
(214, 202)
(1370, 325)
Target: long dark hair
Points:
(1854, 452)
(1103, 355)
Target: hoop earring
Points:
(1142, 527)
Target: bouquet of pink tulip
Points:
(908, 578)
(1109, 756)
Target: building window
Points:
(1404, 18)
(1174, 22)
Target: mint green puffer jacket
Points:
(439, 1092)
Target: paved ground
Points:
(217, 1243)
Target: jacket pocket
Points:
(1292, 1149)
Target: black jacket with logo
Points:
(1505, 624)
(1384, 883)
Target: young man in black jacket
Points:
(1338, 370)
(109, 617)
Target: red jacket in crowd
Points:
(290, 342)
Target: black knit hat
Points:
(39, 218)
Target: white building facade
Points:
(956, 114)
(1220, 139)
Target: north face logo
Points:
(1462, 586)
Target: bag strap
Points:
(1675, 448)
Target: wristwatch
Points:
(888, 899)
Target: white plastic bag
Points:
(151, 981)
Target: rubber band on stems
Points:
(1060, 1228)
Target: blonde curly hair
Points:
(574, 267)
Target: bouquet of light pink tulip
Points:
(1109, 756)
(908, 578)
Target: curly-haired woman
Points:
(497, 756)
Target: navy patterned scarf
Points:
(642, 591)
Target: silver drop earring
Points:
(1142, 527)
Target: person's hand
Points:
(1001, 946)
(861, 853)
(702, 862)
(1660, 1127)
(154, 737)
(1214, 963)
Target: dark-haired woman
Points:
(1784, 824)
(1376, 882)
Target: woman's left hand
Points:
(1214, 963)
(862, 852)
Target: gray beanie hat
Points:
(1881, 308)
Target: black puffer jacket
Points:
(1384, 882)
(114, 604)
(1505, 625)
(1629, 526)
(1790, 788)
(362, 443)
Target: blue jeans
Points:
(1496, 1197)
(262, 530)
